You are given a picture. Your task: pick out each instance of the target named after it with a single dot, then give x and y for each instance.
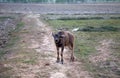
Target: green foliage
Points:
(80, 18)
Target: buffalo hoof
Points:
(57, 61)
(61, 61)
(72, 59)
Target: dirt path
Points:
(34, 56)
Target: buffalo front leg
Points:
(58, 58)
(62, 54)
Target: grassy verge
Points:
(6, 17)
(88, 36)
(13, 38)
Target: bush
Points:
(100, 29)
(79, 18)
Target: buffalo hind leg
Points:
(72, 53)
(62, 54)
(72, 57)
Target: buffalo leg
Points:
(72, 57)
(72, 53)
(62, 54)
(58, 59)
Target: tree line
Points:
(57, 1)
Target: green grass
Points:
(12, 39)
(70, 24)
(90, 33)
(6, 17)
(6, 72)
(100, 29)
(30, 61)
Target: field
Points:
(100, 8)
(97, 42)
(27, 48)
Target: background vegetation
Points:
(58, 1)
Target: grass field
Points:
(97, 43)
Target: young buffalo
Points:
(62, 39)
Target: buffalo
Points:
(62, 39)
